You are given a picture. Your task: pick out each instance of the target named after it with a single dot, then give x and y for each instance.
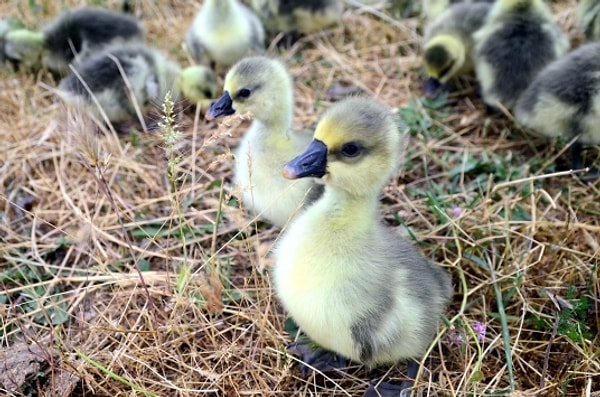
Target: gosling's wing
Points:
(511, 51)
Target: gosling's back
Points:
(78, 33)
(564, 100)
(148, 72)
(300, 16)
(518, 40)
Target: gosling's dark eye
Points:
(244, 93)
(351, 149)
(446, 69)
(207, 93)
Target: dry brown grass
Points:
(83, 213)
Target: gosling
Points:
(447, 51)
(223, 32)
(517, 40)
(562, 100)
(71, 37)
(100, 83)
(262, 87)
(350, 283)
(298, 17)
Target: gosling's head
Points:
(444, 55)
(197, 83)
(259, 85)
(24, 46)
(355, 148)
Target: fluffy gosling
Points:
(197, 84)
(298, 17)
(72, 36)
(449, 42)
(563, 100)
(263, 87)
(223, 32)
(352, 285)
(517, 40)
(121, 78)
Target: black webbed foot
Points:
(575, 150)
(386, 389)
(316, 358)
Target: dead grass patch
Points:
(120, 280)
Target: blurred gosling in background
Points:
(100, 83)
(518, 39)
(72, 36)
(198, 84)
(298, 17)
(563, 101)
(263, 87)
(448, 43)
(223, 32)
(7, 25)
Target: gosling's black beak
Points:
(313, 162)
(220, 107)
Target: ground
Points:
(128, 268)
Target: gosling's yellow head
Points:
(197, 83)
(259, 85)
(355, 148)
(444, 56)
(24, 46)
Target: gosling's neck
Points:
(344, 210)
(219, 8)
(276, 125)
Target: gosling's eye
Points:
(207, 93)
(244, 93)
(446, 69)
(351, 149)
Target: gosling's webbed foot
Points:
(316, 358)
(386, 389)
